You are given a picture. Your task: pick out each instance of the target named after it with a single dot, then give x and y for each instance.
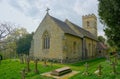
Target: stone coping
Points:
(66, 76)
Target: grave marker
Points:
(36, 65)
(86, 69)
(23, 74)
(28, 64)
(114, 67)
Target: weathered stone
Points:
(62, 43)
(61, 71)
(86, 69)
(99, 71)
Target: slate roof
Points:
(101, 46)
(84, 32)
(66, 28)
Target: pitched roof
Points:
(67, 29)
(101, 46)
(64, 27)
(83, 31)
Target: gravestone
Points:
(23, 74)
(108, 58)
(86, 69)
(61, 71)
(114, 67)
(28, 64)
(99, 71)
(36, 66)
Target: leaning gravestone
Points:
(28, 64)
(114, 67)
(36, 64)
(99, 71)
(23, 74)
(86, 69)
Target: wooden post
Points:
(28, 63)
(36, 69)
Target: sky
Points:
(29, 13)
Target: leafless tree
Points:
(5, 29)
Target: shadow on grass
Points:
(91, 61)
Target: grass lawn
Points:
(10, 69)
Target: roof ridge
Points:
(64, 26)
(80, 28)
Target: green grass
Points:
(10, 69)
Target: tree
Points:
(9, 42)
(24, 44)
(5, 30)
(109, 12)
(101, 39)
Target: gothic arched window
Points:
(46, 40)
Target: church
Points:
(65, 41)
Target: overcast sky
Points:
(29, 13)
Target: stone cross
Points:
(100, 70)
(47, 10)
(23, 74)
(114, 67)
(36, 63)
(28, 63)
(86, 69)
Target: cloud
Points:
(13, 15)
(29, 13)
(84, 7)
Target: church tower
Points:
(90, 23)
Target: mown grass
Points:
(10, 69)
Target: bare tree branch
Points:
(5, 30)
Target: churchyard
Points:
(98, 68)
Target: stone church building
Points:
(65, 41)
